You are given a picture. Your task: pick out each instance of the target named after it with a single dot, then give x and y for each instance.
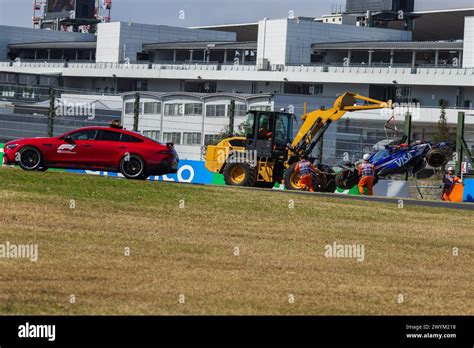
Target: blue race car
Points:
(398, 159)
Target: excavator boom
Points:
(317, 122)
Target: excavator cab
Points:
(269, 133)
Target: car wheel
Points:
(436, 158)
(331, 185)
(347, 179)
(43, 169)
(292, 179)
(133, 167)
(240, 174)
(29, 158)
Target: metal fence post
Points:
(231, 117)
(136, 111)
(459, 141)
(51, 111)
(407, 133)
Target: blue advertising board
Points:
(468, 195)
(192, 172)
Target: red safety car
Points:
(95, 148)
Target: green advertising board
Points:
(353, 191)
(1, 154)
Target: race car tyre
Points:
(43, 169)
(330, 186)
(133, 167)
(29, 158)
(347, 180)
(436, 158)
(240, 174)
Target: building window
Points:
(7, 77)
(191, 138)
(174, 138)
(215, 110)
(211, 139)
(153, 134)
(240, 110)
(193, 109)
(261, 108)
(141, 85)
(152, 108)
(303, 88)
(173, 109)
(129, 108)
(315, 89)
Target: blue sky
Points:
(206, 12)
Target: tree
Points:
(240, 132)
(442, 131)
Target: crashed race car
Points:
(398, 159)
(324, 179)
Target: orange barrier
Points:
(457, 193)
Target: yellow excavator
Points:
(268, 153)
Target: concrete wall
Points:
(288, 41)
(9, 35)
(119, 40)
(468, 60)
(272, 40)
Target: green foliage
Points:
(239, 131)
(442, 130)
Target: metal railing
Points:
(249, 66)
(379, 65)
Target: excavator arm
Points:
(317, 122)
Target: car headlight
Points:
(11, 146)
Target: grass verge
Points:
(183, 240)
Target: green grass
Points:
(190, 250)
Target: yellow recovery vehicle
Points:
(268, 154)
